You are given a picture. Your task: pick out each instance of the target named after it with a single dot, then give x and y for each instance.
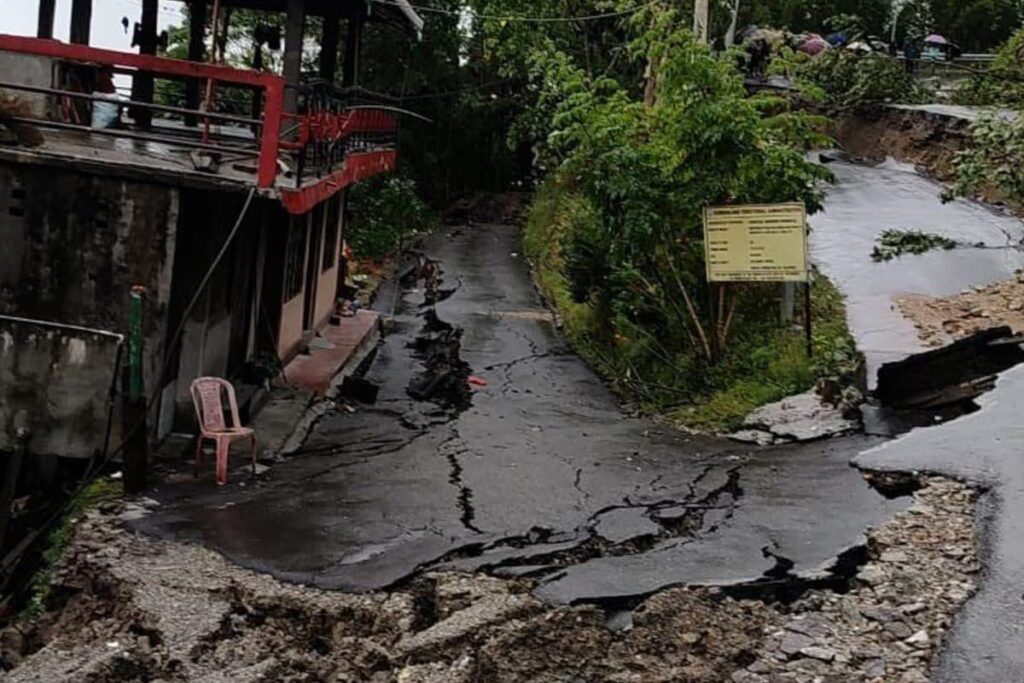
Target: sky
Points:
(19, 17)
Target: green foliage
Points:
(974, 25)
(765, 361)
(387, 210)
(869, 16)
(768, 363)
(848, 80)
(1002, 84)
(895, 243)
(97, 492)
(993, 161)
(616, 233)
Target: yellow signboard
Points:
(756, 243)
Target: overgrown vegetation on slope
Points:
(992, 165)
(96, 493)
(842, 79)
(1002, 84)
(387, 210)
(616, 233)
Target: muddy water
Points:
(866, 201)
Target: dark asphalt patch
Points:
(536, 472)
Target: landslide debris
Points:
(134, 608)
(896, 243)
(942, 320)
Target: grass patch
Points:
(97, 492)
(777, 365)
(764, 362)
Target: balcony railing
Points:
(240, 131)
(330, 128)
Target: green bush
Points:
(1002, 84)
(764, 362)
(849, 80)
(992, 163)
(616, 231)
(386, 209)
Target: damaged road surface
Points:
(532, 472)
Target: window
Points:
(295, 258)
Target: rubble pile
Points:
(887, 628)
(135, 608)
(805, 417)
(940, 321)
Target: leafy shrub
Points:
(850, 80)
(895, 243)
(1002, 84)
(616, 232)
(586, 262)
(386, 210)
(992, 162)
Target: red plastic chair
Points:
(207, 396)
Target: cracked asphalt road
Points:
(539, 473)
(983, 449)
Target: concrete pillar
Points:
(329, 44)
(142, 84)
(353, 46)
(293, 34)
(81, 21)
(47, 8)
(196, 53)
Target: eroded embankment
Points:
(132, 608)
(929, 141)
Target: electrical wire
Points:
(96, 466)
(199, 292)
(360, 90)
(523, 19)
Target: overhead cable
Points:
(523, 19)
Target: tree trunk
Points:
(650, 85)
(701, 12)
(730, 35)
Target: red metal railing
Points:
(328, 145)
(271, 85)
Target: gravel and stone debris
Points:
(804, 417)
(943, 320)
(132, 608)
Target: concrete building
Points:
(218, 190)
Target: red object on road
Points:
(477, 381)
(208, 398)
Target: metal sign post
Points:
(759, 243)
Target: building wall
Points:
(61, 379)
(292, 301)
(327, 284)
(217, 333)
(75, 244)
(30, 70)
(304, 280)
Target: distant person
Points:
(106, 114)
(911, 54)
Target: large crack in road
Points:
(534, 472)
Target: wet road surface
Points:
(868, 200)
(987, 449)
(538, 473)
(984, 448)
